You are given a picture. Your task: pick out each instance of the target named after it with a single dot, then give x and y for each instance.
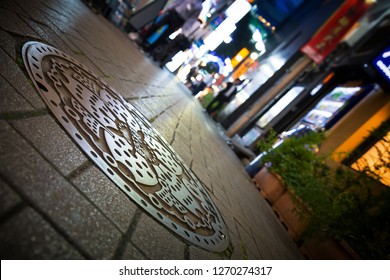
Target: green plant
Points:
(336, 202)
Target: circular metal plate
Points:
(125, 146)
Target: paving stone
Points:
(150, 107)
(134, 89)
(198, 169)
(264, 246)
(239, 251)
(11, 101)
(25, 8)
(47, 34)
(165, 125)
(248, 243)
(28, 236)
(52, 142)
(156, 241)
(83, 223)
(118, 85)
(183, 140)
(107, 196)
(54, 18)
(183, 151)
(7, 42)
(197, 253)
(11, 22)
(13, 7)
(12, 73)
(221, 196)
(142, 107)
(132, 253)
(8, 198)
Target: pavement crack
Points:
(23, 115)
(75, 173)
(126, 238)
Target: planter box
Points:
(327, 249)
(269, 184)
(284, 209)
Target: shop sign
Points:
(243, 68)
(331, 33)
(382, 64)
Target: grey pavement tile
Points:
(28, 236)
(199, 171)
(12, 73)
(156, 241)
(117, 85)
(198, 156)
(272, 240)
(152, 106)
(107, 196)
(104, 64)
(239, 251)
(12, 6)
(132, 89)
(180, 139)
(11, 101)
(166, 131)
(45, 134)
(184, 132)
(54, 18)
(8, 198)
(215, 176)
(221, 199)
(196, 253)
(183, 151)
(247, 243)
(142, 106)
(228, 219)
(27, 9)
(11, 22)
(46, 34)
(70, 211)
(75, 35)
(132, 253)
(266, 247)
(7, 42)
(86, 55)
(174, 102)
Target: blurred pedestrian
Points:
(223, 97)
(178, 14)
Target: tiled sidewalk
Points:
(56, 204)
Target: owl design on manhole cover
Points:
(125, 146)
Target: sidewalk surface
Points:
(56, 204)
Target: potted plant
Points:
(342, 204)
(281, 156)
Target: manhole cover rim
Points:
(33, 53)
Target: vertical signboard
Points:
(330, 34)
(382, 64)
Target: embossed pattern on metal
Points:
(125, 146)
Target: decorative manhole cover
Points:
(125, 146)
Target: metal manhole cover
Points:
(125, 146)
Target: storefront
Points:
(321, 99)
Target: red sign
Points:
(330, 34)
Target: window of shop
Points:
(373, 154)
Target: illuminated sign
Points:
(382, 64)
(330, 34)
